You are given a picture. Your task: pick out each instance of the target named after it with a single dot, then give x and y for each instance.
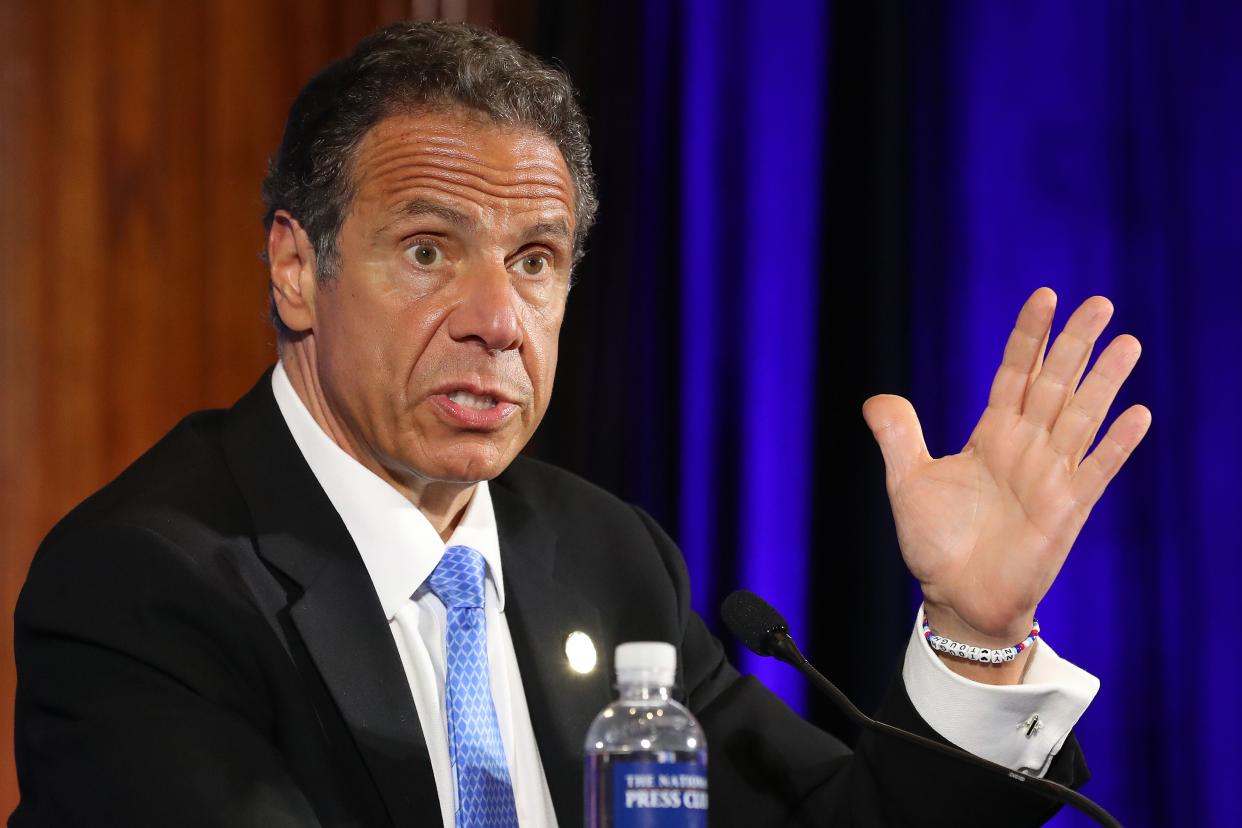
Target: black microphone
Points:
(754, 621)
(765, 632)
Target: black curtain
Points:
(611, 419)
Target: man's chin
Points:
(466, 467)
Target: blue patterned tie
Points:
(484, 791)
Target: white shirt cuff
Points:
(992, 721)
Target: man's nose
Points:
(488, 311)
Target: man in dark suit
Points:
(214, 638)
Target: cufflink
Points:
(580, 651)
(1032, 725)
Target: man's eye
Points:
(425, 254)
(533, 265)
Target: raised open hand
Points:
(986, 531)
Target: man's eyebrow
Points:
(426, 207)
(558, 228)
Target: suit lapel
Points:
(542, 610)
(338, 614)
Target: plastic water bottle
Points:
(646, 758)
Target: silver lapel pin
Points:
(580, 651)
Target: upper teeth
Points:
(471, 401)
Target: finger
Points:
(896, 429)
(1080, 420)
(1024, 351)
(1086, 445)
(1102, 465)
(1066, 361)
(1039, 361)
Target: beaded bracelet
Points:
(981, 654)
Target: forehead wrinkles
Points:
(498, 166)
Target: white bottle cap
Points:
(646, 661)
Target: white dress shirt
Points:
(400, 548)
(993, 721)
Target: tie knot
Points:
(458, 578)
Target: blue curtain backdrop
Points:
(805, 204)
(1097, 148)
(749, 270)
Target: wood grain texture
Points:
(134, 135)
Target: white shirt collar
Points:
(398, 545)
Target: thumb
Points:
(896, 428)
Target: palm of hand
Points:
(979, 534)
(986, 531)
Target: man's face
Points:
(436, 343)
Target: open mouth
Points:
(472, 401)
(475, 409)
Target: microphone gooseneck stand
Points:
(762, 629)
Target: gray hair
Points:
(407, 66)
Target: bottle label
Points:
(659, 795)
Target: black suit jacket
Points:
(199, 644)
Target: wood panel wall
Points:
(133, 140)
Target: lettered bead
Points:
(985, 654)
(998, 656)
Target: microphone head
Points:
(752, 620)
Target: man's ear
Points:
(291, 262)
